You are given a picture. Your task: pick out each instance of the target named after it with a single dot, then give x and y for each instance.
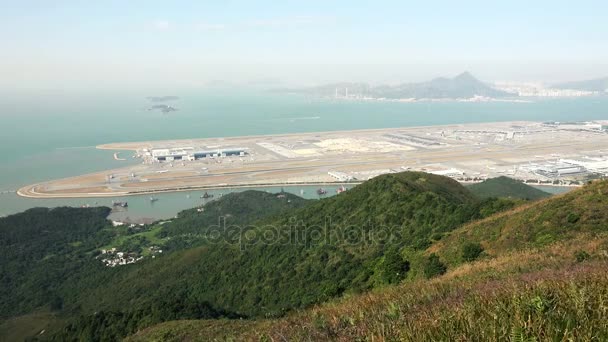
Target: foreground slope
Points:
(541, 277)
(506, 187)
(482, 302)
(561, 217)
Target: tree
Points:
(434, 267)
(392, 268)
(471, 251)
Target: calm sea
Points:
(47, 136)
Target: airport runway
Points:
(459, 151)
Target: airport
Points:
(533, 152)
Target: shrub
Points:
(436, 236)
(471, 251)
(573, 217)
(581, 256)
(434, 267)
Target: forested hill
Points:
(506, 187)
(285, 253)
(234, 209)
(51, 257)
(42, 247)
(347, 243)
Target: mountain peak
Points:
(466, 76)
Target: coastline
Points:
(117, 157)
(27, 193)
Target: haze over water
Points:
(55, 134)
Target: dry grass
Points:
(532, 225)
(543, 294)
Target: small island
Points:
(162, 98)
(163, 108)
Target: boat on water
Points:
(321, 191)
(153, 199)
(340, 189)
(206, 195)
(120, 204)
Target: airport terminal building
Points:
(190, 153)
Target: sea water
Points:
(53, 135)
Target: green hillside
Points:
(234, 209)
(539, 276)
(360, 264)
(48, 257)
(488, 301)
(305, 256)
(506, 187)
(562, 217)
(41, 247)
(339, 245)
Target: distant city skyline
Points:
(177, 44)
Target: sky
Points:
(131, 44)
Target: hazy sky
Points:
(132, 43)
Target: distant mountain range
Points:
(463, 86)
(598, 84)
